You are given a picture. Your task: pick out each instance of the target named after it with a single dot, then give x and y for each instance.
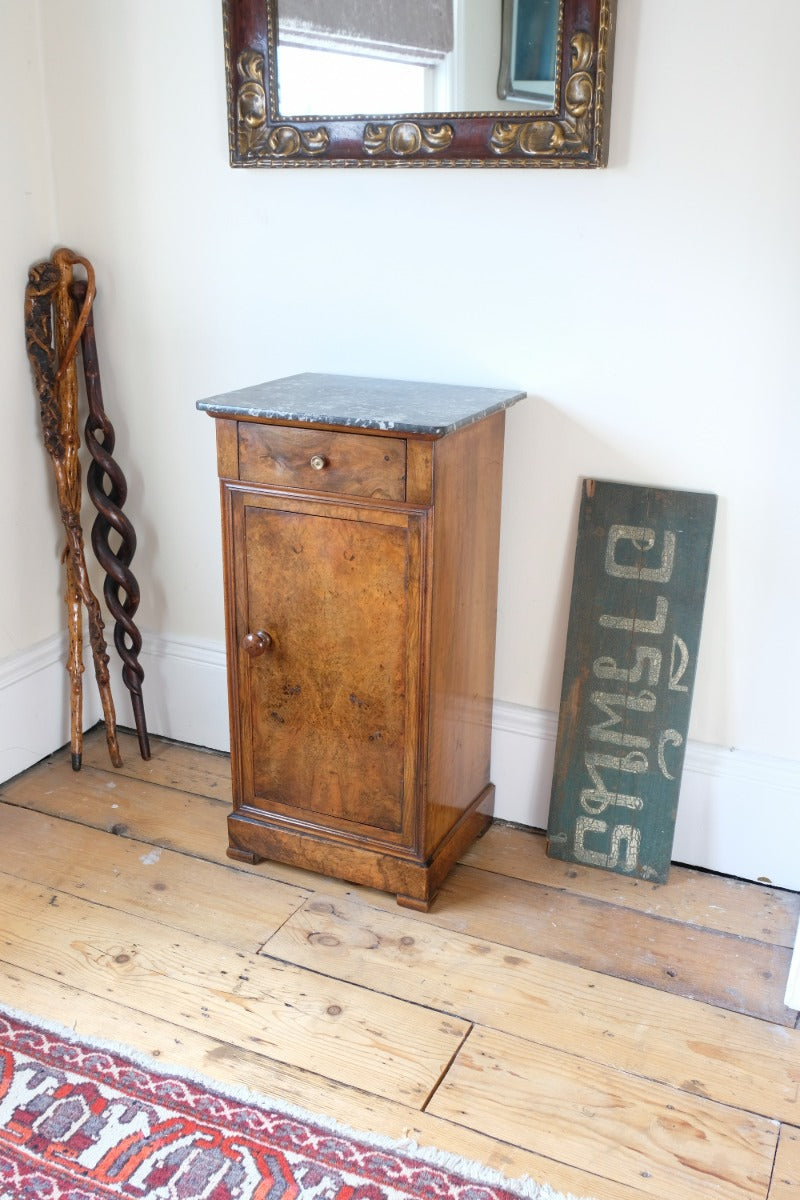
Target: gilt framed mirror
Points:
(505, 83)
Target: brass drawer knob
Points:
(318, 462)
(256, 643)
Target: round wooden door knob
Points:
(256, 643)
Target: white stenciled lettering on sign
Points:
(584, 825)
(637, 624)
(597, 799)
(643, 540)
(604, 731)
(632, 837)
(670, 737)
(606, 668)
(620, 834)
(634, 762)
(679, 661)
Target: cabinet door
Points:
(328, 710)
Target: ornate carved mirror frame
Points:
(571, 134)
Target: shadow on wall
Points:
(548, 454)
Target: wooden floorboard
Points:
(613, 939)
(228, 1064)
(691, 897)
(171, 764)
(389, 1047)
(736, 973)
(616, 1039)
(233, 908)
(668, 1143)
(729, 1057)
(786, 1175)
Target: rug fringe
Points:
(524, 1187)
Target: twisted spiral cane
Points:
(108, 491)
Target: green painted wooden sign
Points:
(641, 567)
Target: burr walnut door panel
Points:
(327, 619)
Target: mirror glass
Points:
(420, 56)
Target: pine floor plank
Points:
(566, 1063)
(734, 1059)
(232, 1065)
(189, 768)
(765, 914)
(736, 973)
(786, 1175)
(384, 1045)
(666, 1142)
(569, 928)
(189, 823)
(235, 908)
(734, 906)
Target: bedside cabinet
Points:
(361, 524)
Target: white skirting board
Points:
(185, 696)
(34, 704)
(738, 812)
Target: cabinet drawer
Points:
(319, 460)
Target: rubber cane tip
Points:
(76, 762)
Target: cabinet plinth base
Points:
(245, 856)
(253, 839)
(410, 902)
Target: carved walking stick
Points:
(119, 577)
(51, 352)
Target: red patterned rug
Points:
(85, 1122)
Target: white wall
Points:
(31, 605)
(650, 310)
(29, 611)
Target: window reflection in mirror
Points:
(530, 46)
(452, 56)
(311, 82)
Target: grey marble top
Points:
(349, 400)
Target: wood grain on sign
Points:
(641, 567)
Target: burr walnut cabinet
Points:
(360, 539)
